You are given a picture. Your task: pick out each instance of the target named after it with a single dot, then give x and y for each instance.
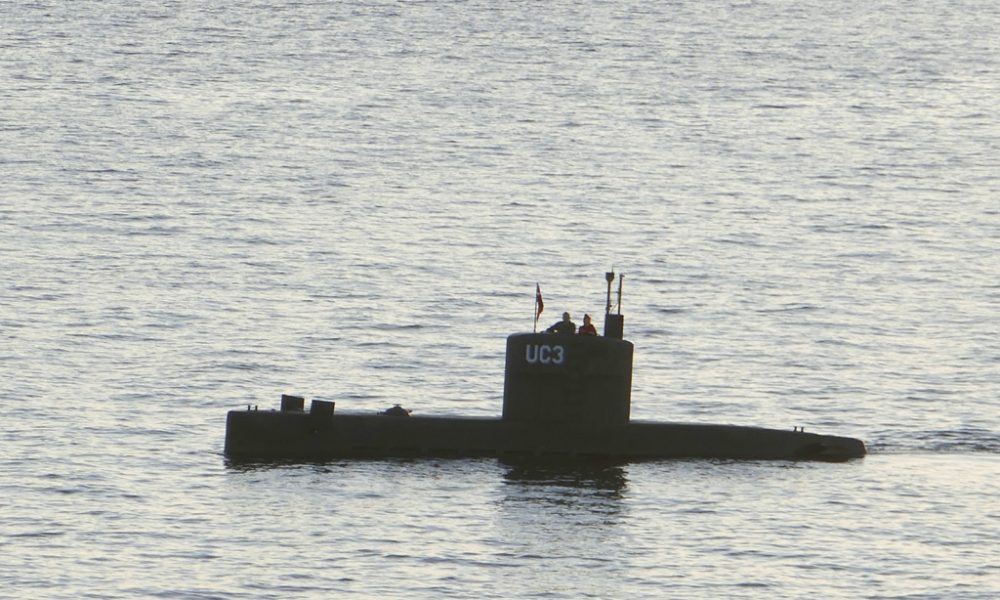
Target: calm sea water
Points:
(206, 204)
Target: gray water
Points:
(204, 205)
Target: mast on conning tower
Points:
(614, 324)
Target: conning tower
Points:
(570, 379)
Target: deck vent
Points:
(292, 403)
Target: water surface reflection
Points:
(606, 478)
(564, 517)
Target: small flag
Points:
(539, 305)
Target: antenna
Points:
(609, 277)
(621, 279)
(614, 324)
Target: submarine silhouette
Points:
(565, 396)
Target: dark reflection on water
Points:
(565, 516)
(540, 497)
(607, 477)
(249, 466)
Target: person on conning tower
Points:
(564, 326)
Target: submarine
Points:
(565, 397)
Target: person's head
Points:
(566, 316)
(586, 319)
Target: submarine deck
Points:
(270, 435)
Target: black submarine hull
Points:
(253, 435)
(564, 396)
